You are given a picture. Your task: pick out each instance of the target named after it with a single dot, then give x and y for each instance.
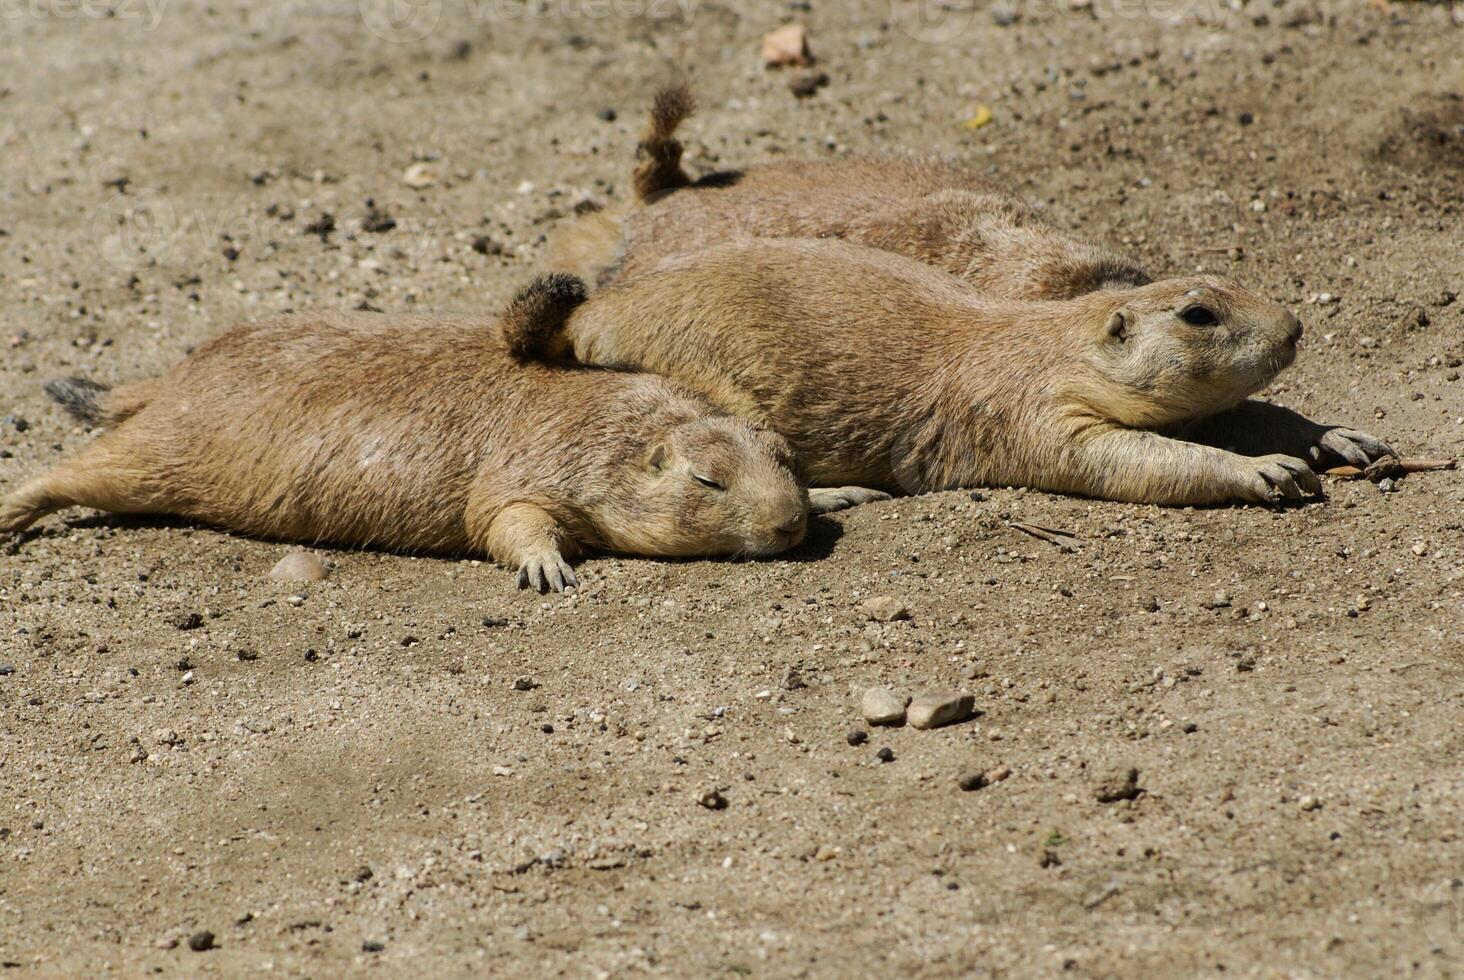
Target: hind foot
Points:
(826, 500)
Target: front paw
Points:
(826, 500)
(1356, 448)
(546, 571)
(1269, 479)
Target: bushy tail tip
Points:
(659, 153)
(537, 313)
(80, 398)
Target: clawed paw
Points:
(1269, 479)
(1356, 448)
(825, 500)
(545, 572)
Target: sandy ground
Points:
(344, 776)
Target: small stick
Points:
(1407, 466)
(1065, 540)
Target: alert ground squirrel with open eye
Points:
(940, 213)
(425, 433)
(886, 372)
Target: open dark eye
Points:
(1199, 316)
(708, 482)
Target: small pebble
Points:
(857, 737)
(885, 609)
(885, 754)
(973, 781)
(201, 941)
(712, 799)
(525, 684)
(805, 84)
(299, 566)
(1309, 803)
(420, 175)
(187, 621)
(1120, 784)
(788, 45)
(881, 706)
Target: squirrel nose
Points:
(794, 522)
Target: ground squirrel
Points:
(424, 433)
(929, 210)
(887, 372)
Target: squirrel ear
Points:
(1118, 325)
(656, 458)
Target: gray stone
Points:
(940, 708)
(881, 706)
(885, 609)
(299, 566)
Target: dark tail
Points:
(537, 313)
(658, 167)
(79, 397)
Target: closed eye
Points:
(708, 482)
(1199, 316)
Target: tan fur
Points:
(939, 213)
(422, 433)
(889, 373)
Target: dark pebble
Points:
(201, 941)
(311, 656)
(547, 729)
(364, 873)
(19, 423)
(231, 253)
(247, 656)
(971, 782)
(484, 245)
(1190, 728)
(376, 220)
(492, 621)
(885, 754)
(372, 947)
(857, 737)
(1246, 118)
(977, 496)
(806, 84)
(6, 670)
(322, 226)
(187, 621)
(607, 114)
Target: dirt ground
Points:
(345, 777)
